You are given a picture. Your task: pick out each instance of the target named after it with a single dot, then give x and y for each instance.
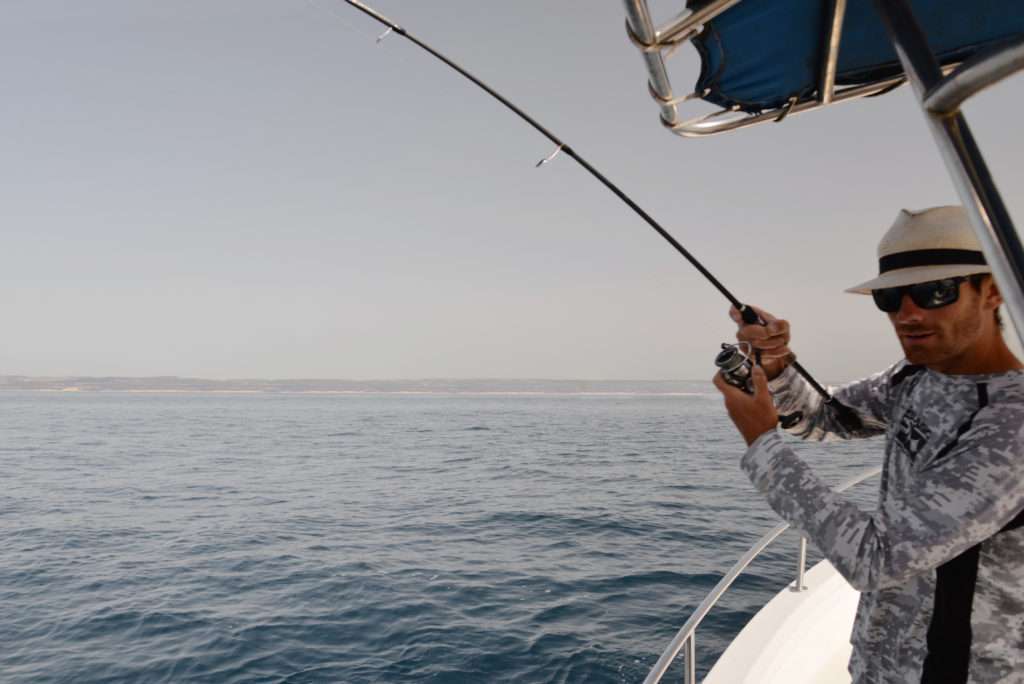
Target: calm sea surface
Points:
(373, 537)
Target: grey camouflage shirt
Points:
(940, 562)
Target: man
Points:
(940, 562)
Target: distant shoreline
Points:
(75, 390)
(480, 387)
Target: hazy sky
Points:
(256, 189)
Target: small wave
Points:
(609, 586)
(566, 612)
(597, 524)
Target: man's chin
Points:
(936, 359)
(919, 356)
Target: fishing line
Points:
(358, 27)
(337, 15)
(844, 413)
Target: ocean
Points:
(428, 536)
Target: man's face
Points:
(944, 339)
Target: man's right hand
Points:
(771, 339)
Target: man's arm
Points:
(811, 418)
(804, 410)
(965, 498)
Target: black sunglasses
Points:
(931, 295)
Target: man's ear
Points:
(991, 295)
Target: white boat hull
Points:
(798, 637)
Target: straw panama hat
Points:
(926, 245)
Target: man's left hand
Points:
(754, 414)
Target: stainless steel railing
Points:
(685, 638)
(658, 43)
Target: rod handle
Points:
(749, 316)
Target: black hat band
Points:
(930, 257)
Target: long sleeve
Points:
(953, 504)
(869, 398)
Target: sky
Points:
(239, 190)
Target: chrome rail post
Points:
(690, 673)
(977, 190)
(657, 44)
(827, 83)
(801, 565)
(639, 19)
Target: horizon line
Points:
(21, 376)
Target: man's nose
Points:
(908, 311)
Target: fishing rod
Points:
(749, 315)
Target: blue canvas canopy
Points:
(760, 53)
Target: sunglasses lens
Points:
(930, 295)
(888, 299)
(936, 293)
